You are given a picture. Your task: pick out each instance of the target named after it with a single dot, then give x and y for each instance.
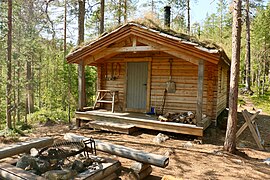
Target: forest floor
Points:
(188, 159)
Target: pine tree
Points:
(9, 51)
(230, 139)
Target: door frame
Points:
(148, 91)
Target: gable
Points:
(133, 38)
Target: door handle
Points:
(145, 84)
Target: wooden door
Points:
(137, 75)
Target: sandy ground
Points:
(188, 159)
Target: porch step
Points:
(113, 127)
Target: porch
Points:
(142, 120)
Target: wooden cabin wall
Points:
(223, 83)
(185, 75)
(112, 77)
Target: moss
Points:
(150, 24)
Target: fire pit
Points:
(62, 160)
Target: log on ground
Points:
(122, 151)
(23, 147)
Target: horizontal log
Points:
(109, 167)
(139, 167)
(10, 172)
(122, 151)
(143, 174)
(23, 147)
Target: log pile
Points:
(186, 117)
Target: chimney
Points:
(167, 17)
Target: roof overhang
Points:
(150, 40)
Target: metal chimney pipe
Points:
(167, 16)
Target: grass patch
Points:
(241, 101)
(43, 115)
(262, 102)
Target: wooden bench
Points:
(102, 94)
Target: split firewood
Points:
(190, 115)
(194, 120)
(182, 118)
(162, 118)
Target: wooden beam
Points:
(81, 85)
(134, 41)
(142, 122)
(23, 147)
(109, 167)
(109, 52)
(200, 92)
(170, 51)
(10, 172)
(252, 129)
(177, 45)
(148, 95)
(245, 125)
(182, 56)
(95, 47)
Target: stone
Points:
(160, 138)
(64, 174)
(41, 166)
(169, 152)
(78, 166)
(188, 144)
(33, 152)
(87, 162)
(267, 161)
(25, 161)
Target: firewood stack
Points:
(186, 117)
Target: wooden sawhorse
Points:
(253, 127)
(101, 95)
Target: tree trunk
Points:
(119, 12)
(125, 11)
(81, 21)
(188, 13)
(29, 89)
(152, 6)
(18, 100)
(65, 52)
(221, 21)
(230, 139)
(81, 66)
(9, 49)
(102, 6)
(247, 47)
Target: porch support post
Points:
(200, 92)
(81, 85)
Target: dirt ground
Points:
(188, 159)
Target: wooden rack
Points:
(102, 96)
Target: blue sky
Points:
(201, 8)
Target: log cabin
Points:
(141, 69)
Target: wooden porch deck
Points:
(141, 120)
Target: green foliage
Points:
(241, 101)
(44, 115)
(12, 133)
(262, 102)
(217, 27)
(260, 48)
